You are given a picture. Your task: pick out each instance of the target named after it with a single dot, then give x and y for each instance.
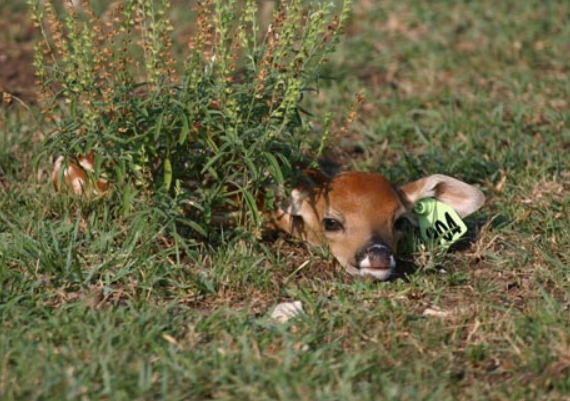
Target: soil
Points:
(17, 73)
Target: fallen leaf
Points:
(435, 311)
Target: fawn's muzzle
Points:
(377, 260)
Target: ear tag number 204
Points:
(440, 225)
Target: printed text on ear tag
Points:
(440, 225)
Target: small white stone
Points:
(286, 310)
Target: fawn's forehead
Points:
(363, 193)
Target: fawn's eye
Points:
(331, 224)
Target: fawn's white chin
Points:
(367, 268)
(377, 273)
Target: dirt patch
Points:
(17, 73)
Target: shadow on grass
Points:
(406, 265)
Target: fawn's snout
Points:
(375, 259)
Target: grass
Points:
(97, 307)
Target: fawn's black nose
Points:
(376, 256)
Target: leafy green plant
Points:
(214, 132)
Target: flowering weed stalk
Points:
(225, 124)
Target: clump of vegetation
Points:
(224, 124)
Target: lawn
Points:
(94, 307)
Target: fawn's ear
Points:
(311, 181)
(463, 198)
(293, 205)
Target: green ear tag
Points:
(440, 225)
